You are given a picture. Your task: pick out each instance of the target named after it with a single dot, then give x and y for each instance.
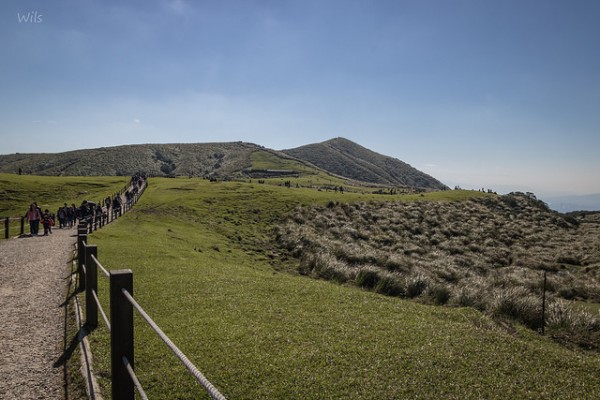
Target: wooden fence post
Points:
(22, 226)
(6, 227)
(543, 327)
(81, 238)
(91, 286)
(121, 334)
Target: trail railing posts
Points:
(81, 238)
(91, 286)
(22, 226)
(543, 327)
(121, 334)
(6, 227)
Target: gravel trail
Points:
(33, 281)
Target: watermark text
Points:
(31, 17)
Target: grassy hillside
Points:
(333, 163)
(301, 173)
(208, 272)
(200, 159)
(348, 159)
(487, 253)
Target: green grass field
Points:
(307, 176)
(206, 269)
(17, 192)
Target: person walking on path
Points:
(47, 221)
(62, 216)
(33, 216)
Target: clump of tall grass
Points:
(519, 304)
(573, 326)
(562, 314)
(390, 284)
(416, 285)
(325, 266)
(487, 253)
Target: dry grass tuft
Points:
(488, 253)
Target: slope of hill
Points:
(487, 253)
(338, 157)
(209, 273)
(348, 159)
(199, 159)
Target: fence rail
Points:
(8, 225)
(93, 222)
(120, 323)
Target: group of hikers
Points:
(88, 211)
(68, 215)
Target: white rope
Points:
(212, 391)
(134, 378)
(104, 271)
(104, 317)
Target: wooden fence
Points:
(96, 221)
(120, 323)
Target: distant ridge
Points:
(184, 159)
(345, 158)
(589, 202)
(338, 156)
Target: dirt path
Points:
(33, 280)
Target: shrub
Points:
(390, 285)
(567, 293)
(440, 293)
(416, 285)
(326, 267)
(568, 259)
(393, 263)
(561, 314)
(367, 277)
(472, 294)
(517, 303)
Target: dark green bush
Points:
(367, 278)
(389, 285)
(441, 294)
(416, 285)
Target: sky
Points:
(478, 93)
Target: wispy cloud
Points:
(179, 7)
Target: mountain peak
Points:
(338, 156)
(348, 159)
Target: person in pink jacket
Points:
(33, 217)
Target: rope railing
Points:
(104, 317)
(102, 269)
(214, 393)
(134, 378)
(120, 323)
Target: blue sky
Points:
(495, 94)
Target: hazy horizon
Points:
(479, 94)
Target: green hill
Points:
(345, 158)
(209, 272)
(336, 162)
(200, 159)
